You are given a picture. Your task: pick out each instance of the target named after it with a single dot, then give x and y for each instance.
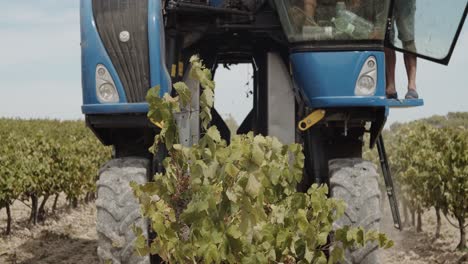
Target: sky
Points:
(40, 74)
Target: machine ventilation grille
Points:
(123, 28)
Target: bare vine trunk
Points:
(34, 209)
(461, 224)
(75, 202)
(41, 213)
(9, 220)
(90, 196)
(439, 223)
(86, 199)
(54, 206)
(413, 218)
(405, 214)
(419, 226)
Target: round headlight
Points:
(107, 93)
(366, 85)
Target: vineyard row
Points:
(41, 159)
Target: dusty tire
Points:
(356, 182)
(118, 210)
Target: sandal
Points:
(411, 94)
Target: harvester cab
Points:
(330, 52)
(319, 78)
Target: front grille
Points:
(130, 58)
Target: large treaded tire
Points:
(118, 210)
(356, 182)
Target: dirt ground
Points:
(70, 237)
(417, 248)
(67, 237)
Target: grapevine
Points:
(429, 158)
(235, 203)
(40, 159)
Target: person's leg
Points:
(390, 64)
(406, 28)
(411, 65)
(390, 61)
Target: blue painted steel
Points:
(93, 53)
(347, 101)
(115, 108)
(158, 71)
(405, 103)
(361, 101)
(328, 79)
(216, 3)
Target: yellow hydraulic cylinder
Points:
(311, 119)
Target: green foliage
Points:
(455, 173)
(432, 165)
(231, 124)
(430, 161)
(46, 157)
(237, 203)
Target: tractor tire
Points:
(356, 182)
(118, 210)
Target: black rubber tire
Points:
(118, 210)
(356, 182)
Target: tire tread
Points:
(118, 210)
(356, 182)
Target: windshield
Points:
(314, 20)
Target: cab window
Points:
(314, 20)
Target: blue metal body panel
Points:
(94, 53)
(404, 103)
(347, 101)
(158, 71)
(115, 108)
(328, 79)
(216, 3)
(361, 101)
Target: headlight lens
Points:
(107, 93)
(105, 86)
(366, 84)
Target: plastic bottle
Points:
(343, 26)
(352, 24)
(317, 33)
(340, 6)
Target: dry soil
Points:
(69, 236)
